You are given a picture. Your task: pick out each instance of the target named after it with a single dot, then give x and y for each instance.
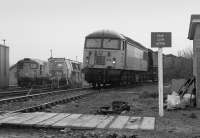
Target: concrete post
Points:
(194, 34)
(160, 81)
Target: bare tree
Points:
(178, 66)
(186, 53)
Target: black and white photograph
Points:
(99, 69)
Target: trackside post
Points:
(160, 81)
(160, 40)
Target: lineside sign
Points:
(161, 39)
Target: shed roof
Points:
(195, 19)
(3, 46)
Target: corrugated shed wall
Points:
(4, 66)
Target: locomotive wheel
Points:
(94, 85)
(99, 85)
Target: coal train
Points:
(54, 73)
(113, 58)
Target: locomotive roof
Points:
(133, 41)
(33, 59)
(113, 34)
(105, 33)
(64, 59)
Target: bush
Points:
(176, 67)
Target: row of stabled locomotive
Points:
(56, 72)
(112, 58)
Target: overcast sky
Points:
(33, 27)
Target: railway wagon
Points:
(65, 72)
(113, 58)
(4, 66)
(32, 72)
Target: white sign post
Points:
(160, 40)
(160, 81)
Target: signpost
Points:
(160, 40)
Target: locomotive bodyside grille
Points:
(100, 60)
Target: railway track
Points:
(42, 100)
(37, 94)
(23, 92)
(13, 93)
(53, 103)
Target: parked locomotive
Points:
(113, 58)
(57, 72)
(32, 72)
(65, 72)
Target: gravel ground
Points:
(49, 133)
(139, 98)
(143, 101)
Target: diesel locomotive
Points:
(113, 58)
(57, 72)
(32, 72)
(65, 72)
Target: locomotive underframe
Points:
(29, 82)
(98, 77)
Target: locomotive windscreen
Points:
(107, 43)
(111, 44)
(93, 43)
(58, 64)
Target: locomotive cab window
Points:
(40, 69)
(59, 65)
(93, 43)
(33, 66)
(123, 45)
(78, 67)
(74, 66)
(111, 44)
(20, 66)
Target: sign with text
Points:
(161, 39)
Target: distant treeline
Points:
(176, 67)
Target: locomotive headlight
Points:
(87, 59)
(114, 61)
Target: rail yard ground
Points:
(143, 101)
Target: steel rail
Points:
(26, 97)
